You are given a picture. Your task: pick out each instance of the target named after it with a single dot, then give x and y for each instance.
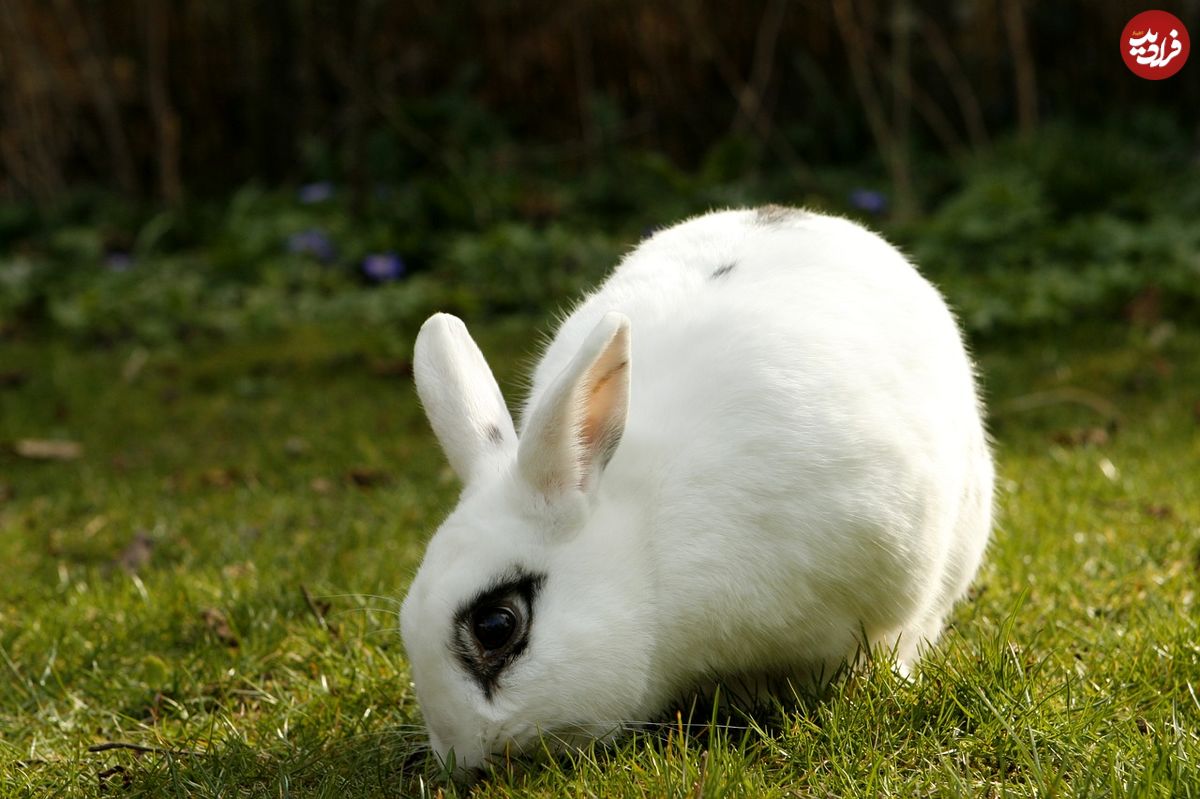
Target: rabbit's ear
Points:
(577, 425)
(460, 395)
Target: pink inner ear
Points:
(604, 410)
(575, 428)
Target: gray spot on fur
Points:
(495, 434)
(721, 271)
(772, 215)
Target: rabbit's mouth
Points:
(525, 745)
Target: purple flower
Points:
(382, 267)
(118, 261)
(873, 202)
(312, 242)
(312, 193)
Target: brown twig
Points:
(934, 118)
(748, 97)
(103, 776)
(1067, 395)
(900, 76)
(857, 47)
(166, 120)
(421, 141)
(109, 746)
(358, 110)
(36, 130)
(754, 90)
(956, 77)
(585, 79)
(35, 761)
(1024, 75)
(317, 611)
(91, 57)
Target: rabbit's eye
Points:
(494, 626)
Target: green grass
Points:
(258, 472)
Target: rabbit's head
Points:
(526, 619)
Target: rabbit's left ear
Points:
(460, 395)
(576, 427)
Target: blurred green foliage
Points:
(1074, 222)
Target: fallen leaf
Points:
(94, 525)
(218, 625)
(13, 378)
(1162, 366)
(1145, 309)
(321, 485)
(1082, 437)
(367, 476)
(136, 555)
(539, 205)
(1159, 511)
(221, 477)
(134, 364)
(43, 449)
(238, 571)
(396, 367)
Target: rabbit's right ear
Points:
(576, 426)
(460, 395)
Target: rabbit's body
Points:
(802, 462)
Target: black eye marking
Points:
(494, 434)
(722, 270)
(491, 630)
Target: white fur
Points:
(802, 462)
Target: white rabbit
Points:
(758, 442)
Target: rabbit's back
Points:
(803, 435)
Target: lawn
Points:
(201, 602)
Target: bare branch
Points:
(855, 44)
(90, 56)
(166, 121)
(956, 77)
(1024, 75)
